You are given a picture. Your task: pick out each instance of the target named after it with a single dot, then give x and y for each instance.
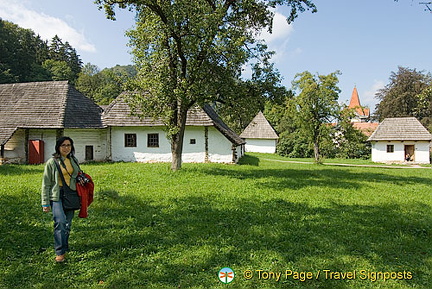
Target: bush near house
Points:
(151, 228)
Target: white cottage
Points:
(402, 139)
(207, 138)
(260, 136)
(33, 115)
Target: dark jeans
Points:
(62, 226)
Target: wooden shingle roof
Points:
(50, 104)
(118, 113)
(259, 128)
(401, 129)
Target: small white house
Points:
(260, 136)
(207, 138)
(34, 114)
(402, 139)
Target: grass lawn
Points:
(151, 228)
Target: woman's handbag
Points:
(70, 198)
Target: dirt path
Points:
(354, 165)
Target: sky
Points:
(365, 40)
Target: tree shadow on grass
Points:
(10, 169)
(249, 160)
(183, 244)
(134, 242)
(315, 176)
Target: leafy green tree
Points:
(348, 142)
(64, 52)
(423, 110)
(192, 52)
(59, 70)
(103, 86)
(24, 56)
(316, 107)
(263, 87)
(409, 93)
(88, 81)
(19, 50)
(340, 139)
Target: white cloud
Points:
(44, 25)
(368, 99)
(280, 32)
(278, 40)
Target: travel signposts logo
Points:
(226, 275)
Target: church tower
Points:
(362, 114)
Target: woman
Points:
(52, 191)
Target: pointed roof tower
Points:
(362, 113)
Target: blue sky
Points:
(365, 40)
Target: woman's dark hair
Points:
(59, 142)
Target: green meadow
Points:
(276, 224)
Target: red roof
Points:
(367, 128)
(355, 104)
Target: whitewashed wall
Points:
(14, 148)
(88, 137)
(380, 154)
(194, 153)
(261, 145)
(109, 144)
(140, 153)
(219, 148)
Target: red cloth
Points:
(86, 194)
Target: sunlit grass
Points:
(151, 228)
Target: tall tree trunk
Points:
(317, 152)
(177, 139)
(316, 143)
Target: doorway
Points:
(409, 153)
(89, 153)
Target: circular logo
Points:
(226, 275)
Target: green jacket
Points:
(50, 181)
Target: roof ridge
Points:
(401, 128)
(259, 127)
(64, 104)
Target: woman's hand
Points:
(46, 209)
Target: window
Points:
(153, 140)
(192, 141)
(390, 148)
(130, 140)
(89, 153)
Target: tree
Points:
(64, 52)
(58, 70)
(316, 107)
(409, 93)
(348, 142)
(263, 87)
(26, 57)
(103, 86)
(339, 139)
(18, 50)
(192, 52)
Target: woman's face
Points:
(65, 148)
